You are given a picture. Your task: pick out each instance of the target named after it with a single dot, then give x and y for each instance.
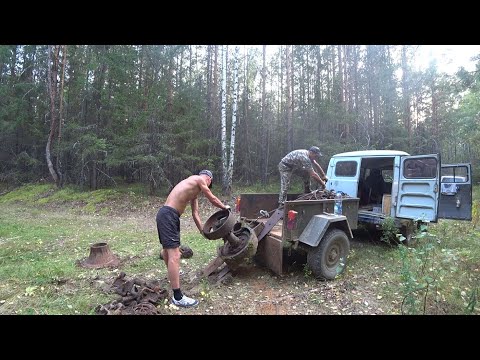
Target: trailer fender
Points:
(318, 226)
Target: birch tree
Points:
(228, 188)
(224, 117)
(265, 144)
(289, 126)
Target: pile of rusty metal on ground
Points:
(320, 195)
(137, 297)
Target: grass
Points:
(39, 248)
(44, 232)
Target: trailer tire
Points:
(328, 259)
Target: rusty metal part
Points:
(231, 248)
(219, 225)
(272, 221)
(185, 252)
(212, 266)
(251, 204)
(233, 240)
(270, 254)
(145, 309)
(137, 296)
(100, 256)
(319, 195)
(242, 254)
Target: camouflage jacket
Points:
(296, 160)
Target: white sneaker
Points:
(185, 301)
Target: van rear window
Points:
(346, 168)
(423, 168)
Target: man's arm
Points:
(317, 178)
(212, 198)
(319, 169)
(195, 215)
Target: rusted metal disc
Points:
(145, 308)
(241, 255)
(219, 225)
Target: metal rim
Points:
(219, 225)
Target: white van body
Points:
(410, 188)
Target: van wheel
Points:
(329, 258)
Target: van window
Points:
(425, 168)
(346, 168)
(457, 174)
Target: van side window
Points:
(346, 168)
(457, 174)
(425, 168)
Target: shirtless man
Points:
(168, 226)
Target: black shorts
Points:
(168, 226)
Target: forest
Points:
(97, 115)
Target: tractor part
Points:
(219, 225)
(240, 243)
(239, 254)
(271, 222)
(100, 256)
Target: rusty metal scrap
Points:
(137, 297)
(320, 195)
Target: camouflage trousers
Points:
(285, 178)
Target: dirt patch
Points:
(256, 290)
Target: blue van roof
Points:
(372, 153)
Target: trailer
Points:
(306, 226)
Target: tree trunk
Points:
(264, 122)
(224, 118)
(61, 120)
(52, 90)
(228, 189)
(289, 127)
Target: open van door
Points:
(455, 192)
(343, 174)
(418, 189)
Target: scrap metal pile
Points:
(137, 297)
(320, 195)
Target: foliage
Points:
(436, 274)
(151, 113)
(389, 230)
(307, 272)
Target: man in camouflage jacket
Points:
(301, 163)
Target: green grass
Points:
(43, 235)
(27, 193)
(39, 248)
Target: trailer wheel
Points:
(328, 259)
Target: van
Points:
(410, 189)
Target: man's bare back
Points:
(187, 190)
